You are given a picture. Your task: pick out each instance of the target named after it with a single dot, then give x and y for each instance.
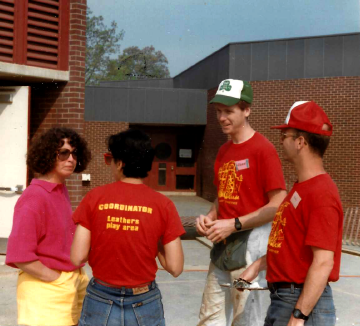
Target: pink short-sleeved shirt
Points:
(42, 227)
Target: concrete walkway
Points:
(182, 296)
(190, 205)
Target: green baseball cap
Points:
(231, 91)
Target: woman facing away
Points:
(50, 288)
(122, 227)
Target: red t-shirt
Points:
(244, 173)
(42, 229)
(310, 215)
(126, 223)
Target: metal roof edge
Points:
(262, 41)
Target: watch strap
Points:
(299, 315)
(238, 225)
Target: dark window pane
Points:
(185, 182)
(162, 151)
(162, 174)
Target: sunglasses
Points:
(63, 154)
(284, 135)
(108, 158)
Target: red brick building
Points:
(42, 55)
(324, 69)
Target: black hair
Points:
(317, 143)
(42, 154)
(133, 148)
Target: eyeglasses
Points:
(284, 135)
(108, 158)
(63, 154)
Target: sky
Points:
(187, 31)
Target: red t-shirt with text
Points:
(310, 216)
(244, 173)
(126, 223)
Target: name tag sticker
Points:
(242, 165)
(295, 199)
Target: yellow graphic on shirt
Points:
(277, 230)
(122, 223)
(126, 208)
(229, 182)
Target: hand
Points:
(52, 275)
(201, 222)
(220, 229)
(295, 322)
(250, 273)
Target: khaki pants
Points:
(223, 306)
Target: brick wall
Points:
(339, 96)
(213, 139)
(62, 104)
(96, 134)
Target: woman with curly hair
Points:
(128, 225)
(50, 288)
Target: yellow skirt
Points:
(51, 303)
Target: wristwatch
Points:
(299, 315)
(238, 225)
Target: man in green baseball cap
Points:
(232, 91)
(250, 187)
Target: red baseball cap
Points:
(307, 116)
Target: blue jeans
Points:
(283, 303)
(105, 306)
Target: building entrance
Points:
(176, 151)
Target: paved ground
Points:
(182, 296)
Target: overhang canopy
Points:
(146, 105)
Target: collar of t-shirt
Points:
(48, 186)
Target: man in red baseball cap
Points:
(304, 246)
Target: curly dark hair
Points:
(133, 148)
(42, 154)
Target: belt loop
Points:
(92, 281)
(292, 288)
(271, 287)
(123, 290)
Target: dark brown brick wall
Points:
(213, 139)
(62, 104)
(96, 133)
(339, 96)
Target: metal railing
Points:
(351, 232)
(351, 227)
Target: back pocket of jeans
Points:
(149, 312)
(96, 311)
